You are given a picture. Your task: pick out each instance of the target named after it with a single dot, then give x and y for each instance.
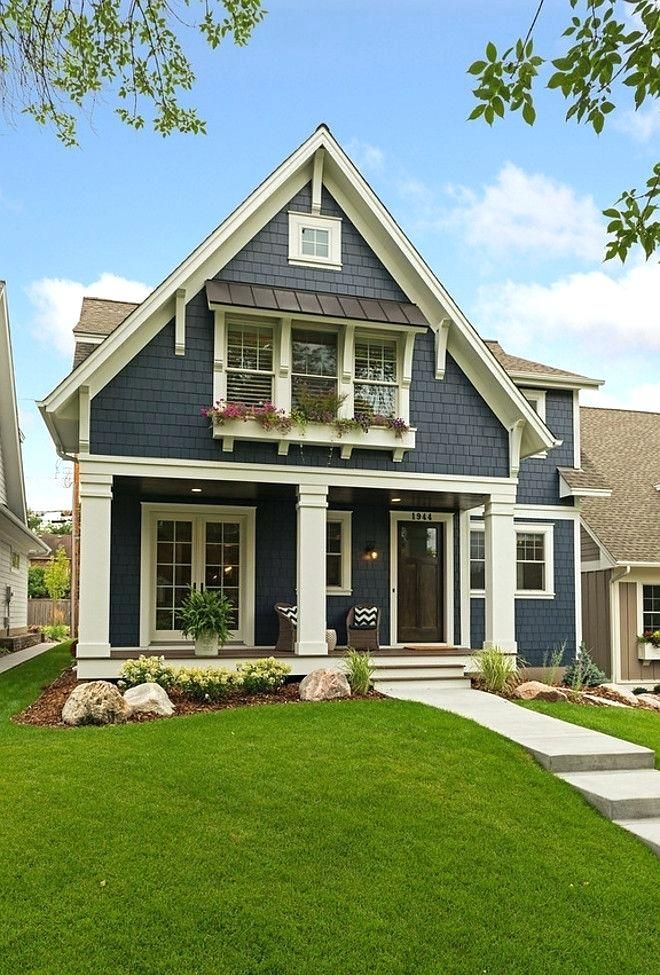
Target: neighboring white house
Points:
(16, 541)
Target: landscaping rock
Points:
(324, 685)
(604, 702)
(97, 702)
(651, 700)
(149, 697)
(534, 690)
(621, 694)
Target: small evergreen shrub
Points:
(146, 670)
(496, 669)
(359, 669)
(583, 672)
(204, 683)
(656, 689)
(55, 631)
(257, 676)
(640, 690)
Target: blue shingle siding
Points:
(265, 260)
(125, 523)
(541, 624)
(275, 576)
(538, 481)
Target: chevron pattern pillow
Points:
(291, 613)
(365, 617)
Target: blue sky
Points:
(508, 218)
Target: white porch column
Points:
(94, 612)
(311, 507)
(500, 576)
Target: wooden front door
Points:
(420, 583)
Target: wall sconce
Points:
(370, 552)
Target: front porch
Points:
(354, 538)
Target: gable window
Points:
(536, 399)
(249, 363)
(338, 552)
(650, 608)
(534, 561)
(477, 560)
(376, 376)
(315, 240)
(314, 364)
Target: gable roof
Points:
(624, 446)
(525, 369)
(100, 316)
(321, 158)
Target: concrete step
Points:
(587, 752)
(647, 830)
(416, 671)
(620, 795)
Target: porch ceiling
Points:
(169, 488)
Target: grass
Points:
(639, 726)
(351, 837)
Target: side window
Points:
(249, 364)
(376, 376)
(477, 560)
(338, 552)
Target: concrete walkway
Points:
(10, 660)
(615, 776)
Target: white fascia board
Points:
(19, 534)
(566, 491)
(380, 231)
(548, 381)
(9, 428)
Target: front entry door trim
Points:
(430, 517)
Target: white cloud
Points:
(644, 396)
(366, 155)
(642, 124)
(607, 312)
(526, 212)
(57, 304)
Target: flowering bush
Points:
(322, 409)
(266, 674)
(650, 636)
(266, 414)
(146, 670)
(205, 684)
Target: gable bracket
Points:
(515, 441)
(180, 322)
(84, 418)
(317, 180)
(441, 336)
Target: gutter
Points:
(17, 523)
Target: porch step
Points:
(448, 673)
(620, 795)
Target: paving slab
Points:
(9, 660)
(619, 795)
(647, 830)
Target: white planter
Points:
(647, 652)
(206, 645)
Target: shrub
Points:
(55, 631)
(656, 689)
(553, 662)
(146, 670)
(583, 672)
(205, 611)
(496, 669)
(36, 583)
(256, 676)
(640, 690)
(204, 683)
(359, 669)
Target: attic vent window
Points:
(314, 240)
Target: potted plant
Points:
(206, 616)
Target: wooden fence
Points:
(43, 611)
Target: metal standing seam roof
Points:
(624, 446)
(295, 301)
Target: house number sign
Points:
(422, 516)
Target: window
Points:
(314, 358)
(375, 376)
(534, 561)
(536, 398)
(249, 363)
(315, 240)
(15, 560)
(477, 560)
(338, 552)
(650, 608)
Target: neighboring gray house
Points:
(17, 543)
(436, 477)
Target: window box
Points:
(317, 434)
(647, 651)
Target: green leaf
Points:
(529, 113)
(491, 52)
(476, 112)
(476, 67)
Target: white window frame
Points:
(548, 532)
(301, 221)
(257, 325)
(345, 519)
(14, 552)
(479, 593)
(539, 396)
(640, 601)
(246, 516)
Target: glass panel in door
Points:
(174, 557)
(222, 563)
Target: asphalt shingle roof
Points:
(516, 366)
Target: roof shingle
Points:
(517, 367)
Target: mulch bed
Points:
(46, 711)
(574, 697)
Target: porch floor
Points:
(187, 652)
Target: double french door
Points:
(199, 550)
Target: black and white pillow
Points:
(291, 613)
(364, 617)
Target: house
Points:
(17, 543)
(433, 474)
(620, 543)
(53, 541)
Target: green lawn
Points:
(345, 838)
(642, 727)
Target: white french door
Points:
(186, 546)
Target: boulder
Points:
(149, 697)
(604, 702)
(534, 690)
(97, 702)
(621, 694)
(324, 685)
(651, 700)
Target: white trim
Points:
(199, 513)
(311, 511)
(499, 601)
(95, 563)
(655, 652)
(10, 434)
(556, 382)
(219, 343)
(314, 221)
(539, 396)
(180, 322)
(475, 526)
(577, 567)
(464, 552)
(435, 517)
(577, 452)
(345, 519)
(547, 530)
(84, 413)
(317, 181)
(441, 337)
(554, 511)
(566, 491)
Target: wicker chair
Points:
(288, 625)
(362, 637)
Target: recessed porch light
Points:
(394, 500)
(195, 490)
